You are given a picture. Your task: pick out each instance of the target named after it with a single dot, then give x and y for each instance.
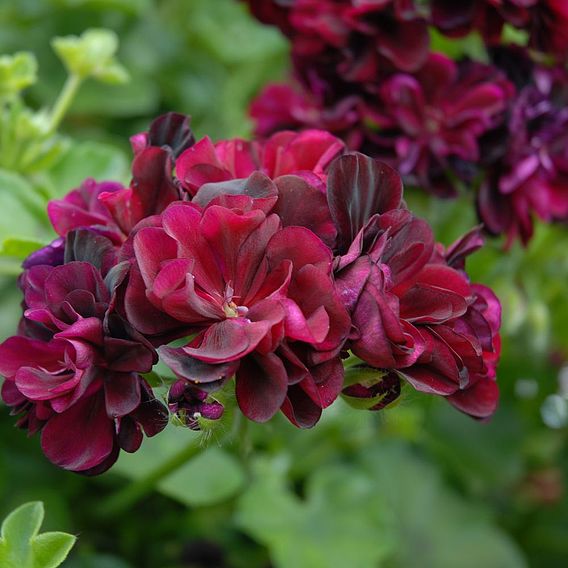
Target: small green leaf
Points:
(51, 549)
(91, 55)
(17, 72)
(22, 524)
(19, 247)
(22, 547)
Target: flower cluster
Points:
(364, 70)
(264, 267)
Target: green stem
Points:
(122, 500)
(64, 101)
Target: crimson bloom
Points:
(76, 376)
(414, 314)
(259, 296)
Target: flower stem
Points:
(122, 500)
(64, 101)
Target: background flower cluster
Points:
(492, 119)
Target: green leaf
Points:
(17, 72)
(19, 209)
(340, 523)
(84, 160)
(19, 247)
(213, 476)
(52, 548)
(22, 547)
(91, 55)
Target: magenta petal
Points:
(300, 409)
(122, 393)
(261, 386)
(18, 352)
(186, 367)
(301, 204)
(81, 437)
(480, 400)
(359, 187)
(228, 340)
(429, 381)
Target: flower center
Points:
(233, 311)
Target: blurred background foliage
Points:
(419, 485)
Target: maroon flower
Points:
(438, 115)
(77, 377)
(261, 302)
(413, 310)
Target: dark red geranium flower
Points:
(413, 310)
(80, 384)
(260, 298)
(438, 115)
(529, 177)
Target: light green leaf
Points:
(84, 160)
(341, 522)
(213, 476)
(19, 247)
(51, 549)
(22, 547)
(19, 207)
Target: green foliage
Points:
(22, 547)
(340, 522)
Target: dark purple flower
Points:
(529, 177)
(80, 385)
(438, 115)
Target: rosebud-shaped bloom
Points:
(259, 297)
(412, 312)
(191, 405)
(81, 387)
(438, 115)
(308, 154)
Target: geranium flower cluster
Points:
(364, 70)
(263, 267)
